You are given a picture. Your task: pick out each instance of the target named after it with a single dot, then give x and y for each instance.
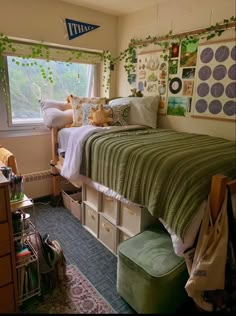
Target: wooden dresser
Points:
(8, 278)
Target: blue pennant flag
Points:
(75, 28)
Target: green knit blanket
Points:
(169, 172)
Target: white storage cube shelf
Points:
(110, 220)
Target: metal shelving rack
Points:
(22, 264)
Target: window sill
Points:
(24, 132)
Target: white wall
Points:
(42, 20)
(178, 16)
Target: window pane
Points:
(27, 86)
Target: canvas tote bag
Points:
(206, 263)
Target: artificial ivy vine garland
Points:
(165, 42)
(128, 55)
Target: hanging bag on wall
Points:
(225, 300)
(207, 270)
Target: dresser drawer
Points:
(91, 219)
(7, 302)
(3, 207)
(107, 233)
(5, 270)
(4, 239)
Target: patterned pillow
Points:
(143, 111)
(86, 111)
(119, 114)
(77, 106)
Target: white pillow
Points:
(60, 105)
(56, 113)
(143, 110)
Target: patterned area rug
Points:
(76, 296)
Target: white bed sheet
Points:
(64, 134)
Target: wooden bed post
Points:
(54, 171)
(217, 194)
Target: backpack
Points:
(51, 261)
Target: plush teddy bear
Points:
(100, 117)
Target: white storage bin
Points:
(90, 219)
(72, 201)
(107, 233)
(109, 208)
(75, 205)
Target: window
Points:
(27, 86)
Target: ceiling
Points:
(115, 7)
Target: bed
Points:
(166, 171)
(169, 172)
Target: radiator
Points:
(38, 184)
(36, 176)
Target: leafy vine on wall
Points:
(128, 56)
(166, 41)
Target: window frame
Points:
(6, 126)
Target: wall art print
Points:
(178, 106)
(152, 76)
(188, 53)
(215, 82)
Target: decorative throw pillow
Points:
(143, 110)
(119, 114)
(77, 106)
(56, 113)
(86, 111)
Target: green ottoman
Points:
(150, 277)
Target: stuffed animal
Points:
(99, 117)
(136, 93)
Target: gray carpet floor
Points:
(93, 259)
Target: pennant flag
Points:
(75, 28)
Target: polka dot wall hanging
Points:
(215, 81)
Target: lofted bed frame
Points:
(217, 193)
(55, 166)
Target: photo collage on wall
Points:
(215, 86)
(152, 76)
(182, 69)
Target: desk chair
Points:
(8, 159)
